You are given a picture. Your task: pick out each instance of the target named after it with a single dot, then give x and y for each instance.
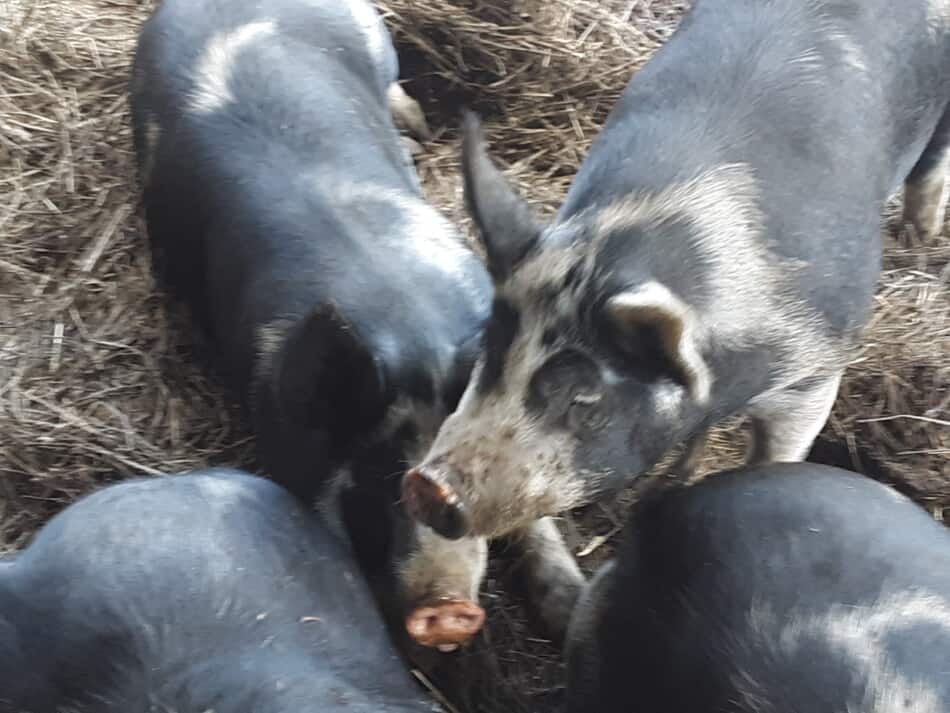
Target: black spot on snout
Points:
(499, 334)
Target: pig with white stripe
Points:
(283, 209)
(788, 587)
(716, 254)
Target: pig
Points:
(342, 308)
(716, 254)
(783, 587)
(214, 590)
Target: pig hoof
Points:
(908, 236)
(413, 147)
(445, 625)
(407, 114)
(555, 609)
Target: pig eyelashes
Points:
(584, 412)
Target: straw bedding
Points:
(98, 379)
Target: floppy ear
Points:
(327, 378)
(505, 222)
(654, 307)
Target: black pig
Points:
(283, 209)
(215, 590)
(791, 587)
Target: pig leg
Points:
(784, 427)
(582, 650)
(407, 114)
(926, 189)
(549, 574)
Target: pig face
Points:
(379, 417)
(580, 383)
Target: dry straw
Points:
(97, 381)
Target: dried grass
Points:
(94, 384)
(98, 380)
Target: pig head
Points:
(589, 371)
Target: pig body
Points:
(215, 590)
(791, 587)
(716, 254)
(283, 209)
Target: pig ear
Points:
(327, 378)
(654, 307)
(505, 222)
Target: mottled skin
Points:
(716, 254)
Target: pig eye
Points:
(586, 399)
(583, 411)
(565, 377)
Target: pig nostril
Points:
(434, 504)
(445, 625)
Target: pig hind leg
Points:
(785, 427)
(407, 114)
(549, 575)
(926, 189)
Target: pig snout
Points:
(431, 501)
(445, 624)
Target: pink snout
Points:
(445, 625)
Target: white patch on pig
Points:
(808, 62)
(212, 74)
(223, 492)
(851, 52)
(925, 200)
(938, 17)
(861, 634)
(753, 298)
(428, 236)
(151, 135)
(441, 568)
(269, 340)
(668, 399)
(654, 301)
(371, 25)
(787, 422)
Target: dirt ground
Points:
(98, 381)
